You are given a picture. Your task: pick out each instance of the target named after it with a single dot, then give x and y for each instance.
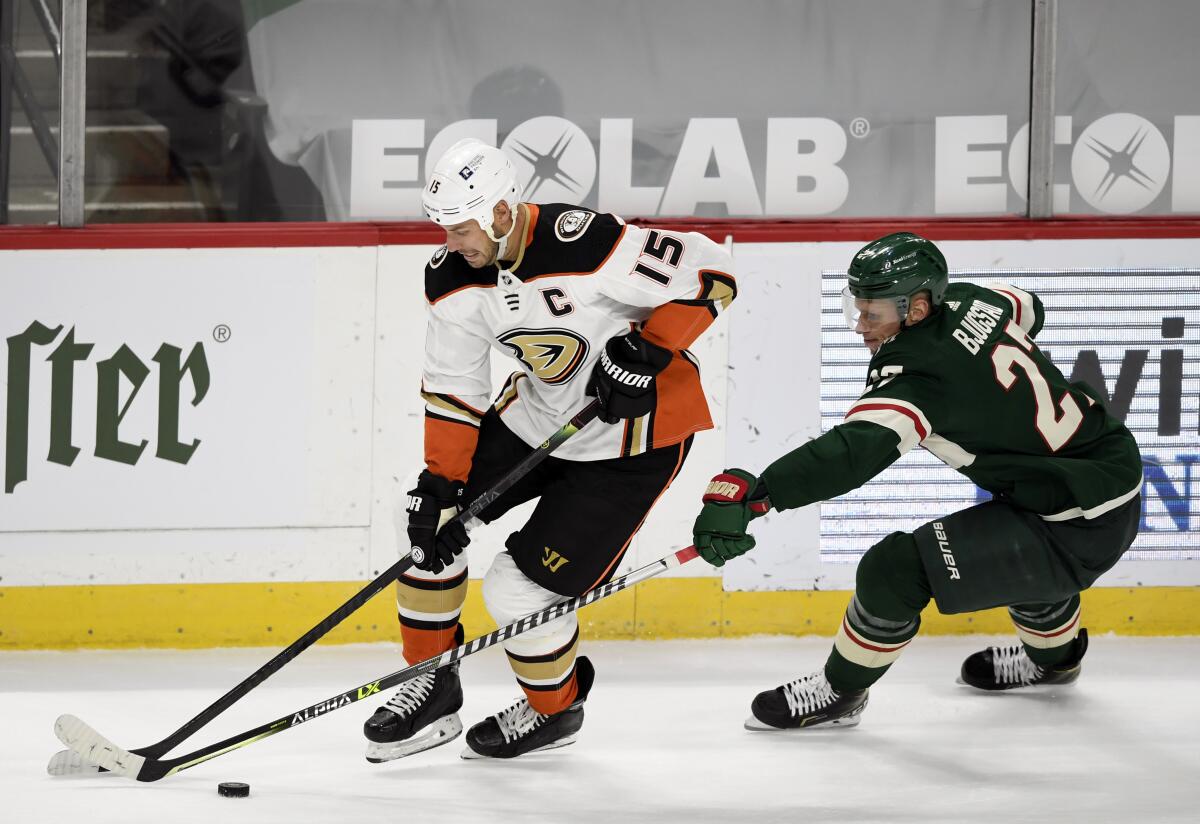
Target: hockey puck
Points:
(233, 789)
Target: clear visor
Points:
(864, 314)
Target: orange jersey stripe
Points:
(460, 289)
(677, 325)
(532, 212)
(682, 409)
(449, 447)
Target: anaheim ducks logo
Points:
(572, 224)
(553, 355)
(438, 257)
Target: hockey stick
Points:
(89, 744)
(67, 762)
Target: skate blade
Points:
(440, 732)
(754, 725)
(469, 754)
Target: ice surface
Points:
(663, 741)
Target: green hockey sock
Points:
(1041, 628)
(883, 616)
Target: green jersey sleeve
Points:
(842, 459)
(887, 421)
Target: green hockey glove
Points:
(733, 499)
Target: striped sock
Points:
(865, 646)
(1047, 630)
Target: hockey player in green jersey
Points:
(953, 369)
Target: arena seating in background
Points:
(173, 127)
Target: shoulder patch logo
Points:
(438, 256)
(570, 225)
(553, 355)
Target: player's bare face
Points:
(878, 320)
(470, 241)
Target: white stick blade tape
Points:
(69, 762)
(94, 747)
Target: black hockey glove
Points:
(435, 537)
(623, 380)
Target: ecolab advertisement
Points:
(800, 109)
(1118, 164)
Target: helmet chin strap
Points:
(502, 240)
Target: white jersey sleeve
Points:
(457, 358)
(684, 277)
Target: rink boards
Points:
(205, 445)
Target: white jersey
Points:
(580, 278)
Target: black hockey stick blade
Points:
(81, 739)
(70, 762)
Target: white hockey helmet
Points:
(466, 184)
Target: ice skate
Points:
(806, 703)
(1007, 668)
(521, 729)
(423, 714)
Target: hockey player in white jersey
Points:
(588, 306)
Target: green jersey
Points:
(969, 385)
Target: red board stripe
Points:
(268, 235)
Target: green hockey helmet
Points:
(897, 267)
